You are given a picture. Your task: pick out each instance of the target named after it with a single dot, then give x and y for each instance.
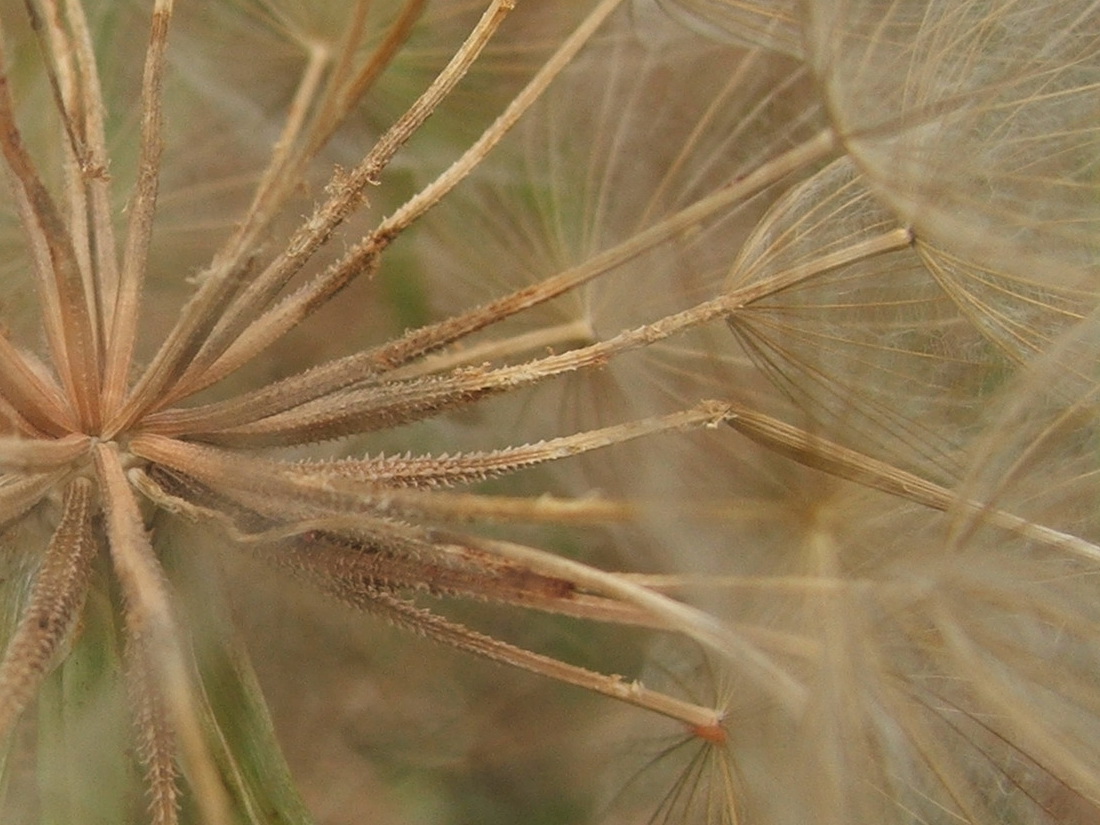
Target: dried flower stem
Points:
(151, 629)
(69, 324)
(677, 616)
(54, 605)
(364, 366)
(19, 455)
(125, 310)
(344, 94)
(213, 319)
(39, 404)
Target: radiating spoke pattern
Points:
(757, 340)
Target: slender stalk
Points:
(39, 403)
(70, 326)
(153, 631)
(38, 455)
(813, 451)
(156, 739)
(72, 103)
(455, 635)
(308, 127)
(258, 294)
(330, 494)
(94, 171)
(54, 606)
(20, 492)
(431, 471)
(364, 257)
(281, 174)
(566, 335)
(889, 241)
(682, 618)
(352, 369)
(487, 580)
(212, 319)
(125, 311)
(205, 465)
(344, 97)
(393, 403)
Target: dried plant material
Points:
(699, 353)
(54, 606)
(773, 24)
(973, 122)
(642, 191)
(828, 291)
(1023, 316)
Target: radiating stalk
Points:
(69, 322)
(359, 367)
(35, 400)
(442, 630)
(40, 455)
(125, 311)
(54, 606)
(153, 633)
(214, 318)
